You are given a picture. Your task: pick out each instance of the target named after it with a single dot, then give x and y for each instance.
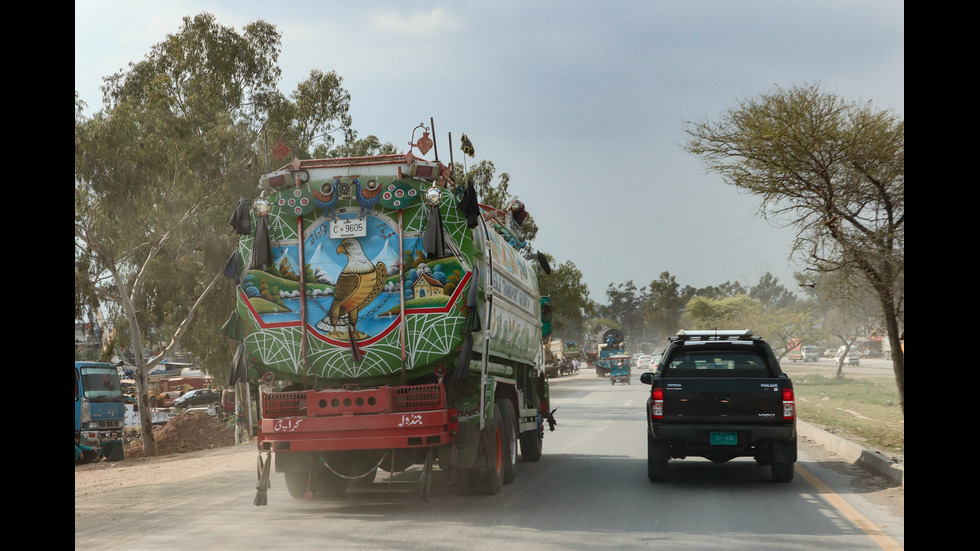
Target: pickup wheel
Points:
(657, 458)
(782, 472)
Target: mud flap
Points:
(264, 482)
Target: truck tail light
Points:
(789, 404)
(657, 404)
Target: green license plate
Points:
(723, 438)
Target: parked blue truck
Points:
(99, 402)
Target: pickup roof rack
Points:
(714, 335)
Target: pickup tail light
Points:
(789, 404)
(657, 404)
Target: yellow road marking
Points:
(882, 539)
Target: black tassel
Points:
(240, 218)
(355, 352)
(261, 249)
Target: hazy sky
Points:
(584, 104)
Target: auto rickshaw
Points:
(619, 371)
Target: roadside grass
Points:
(864, 411)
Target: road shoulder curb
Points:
(854, 453)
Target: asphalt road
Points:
(588, 491)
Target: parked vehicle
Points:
(803, 353)
(166, 399)
(554, 355)
(414, 334)
(201, 397)
(228, 401)
(720, 395)
(100, 405)
(811, 353)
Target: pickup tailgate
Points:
(726, 401)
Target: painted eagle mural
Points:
(358, 283)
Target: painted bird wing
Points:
(380, 277)
(345, 292)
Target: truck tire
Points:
(329, 485)
(532, 444)
(508, 426)
(297, 483)
(782, 472)
(657, 458)
(490, 458)
(532, 441)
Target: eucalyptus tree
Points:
(834, 171)
(160, 167)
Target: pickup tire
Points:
(657, 457)
(782, 472)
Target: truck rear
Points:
(611, 351)
(720, 395)
(391, 321)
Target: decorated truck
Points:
(611, 352)
(390, 321)
(553, 357)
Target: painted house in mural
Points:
(362, 367)
(426, 286)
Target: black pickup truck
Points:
(720, 395)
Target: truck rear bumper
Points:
(363, 432)
(370, 419)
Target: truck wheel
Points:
(532, 441)
(329, 485)
(296, 483)
(657, 458)
(782, 472)
(508, 425)
(490, 459)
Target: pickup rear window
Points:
(717, 363)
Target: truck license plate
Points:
(340, 229)
(723, 438)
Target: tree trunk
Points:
(898, 354)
